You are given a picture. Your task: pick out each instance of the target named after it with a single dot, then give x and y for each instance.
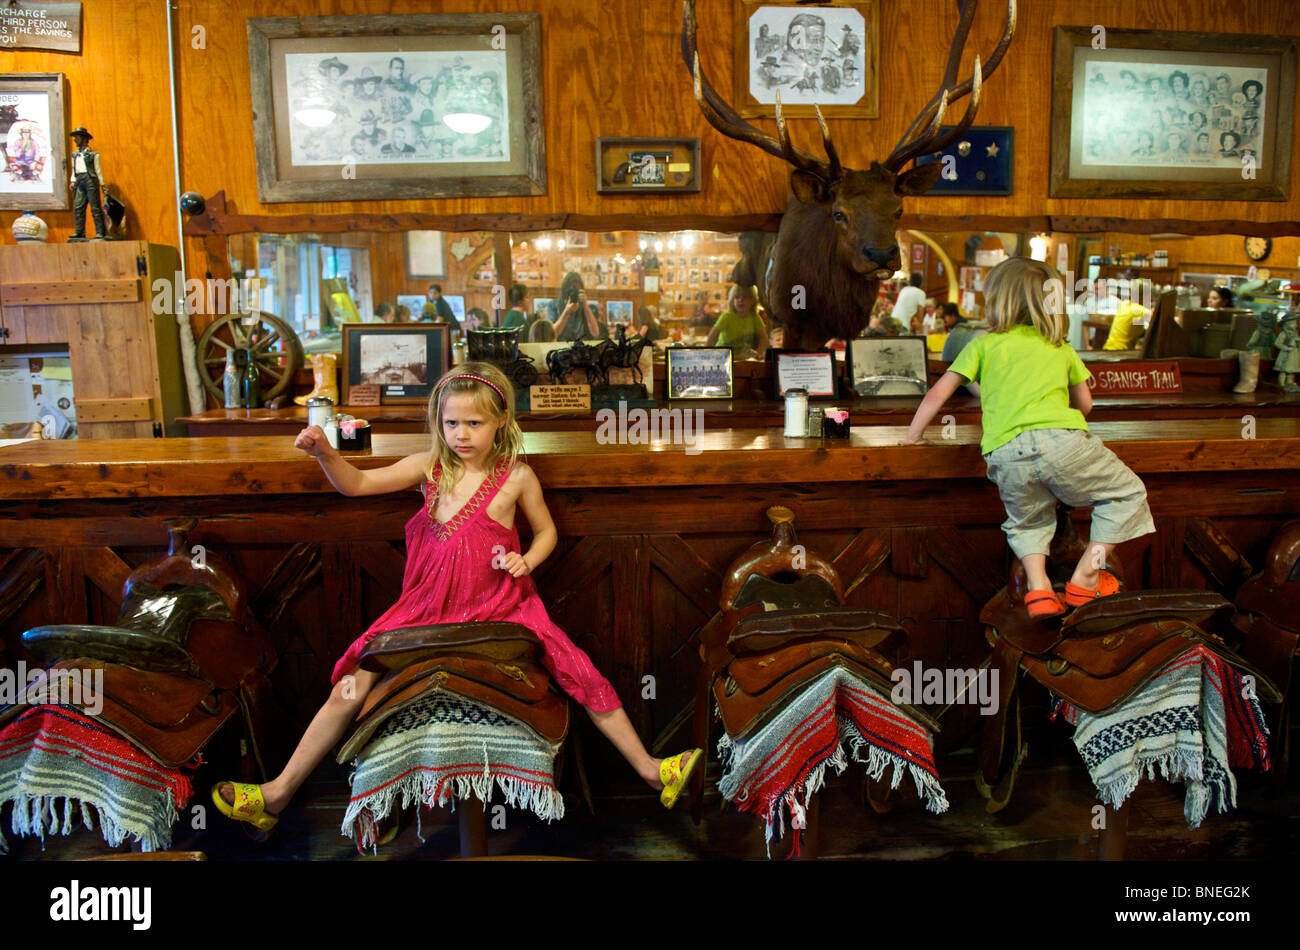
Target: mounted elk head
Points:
(818, 276)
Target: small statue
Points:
(1261, 341)
(87, 175)
(1258, 347)
(1287, 362)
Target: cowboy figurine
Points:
(85, 182)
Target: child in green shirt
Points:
(1034, 395)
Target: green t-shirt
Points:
(737, 332)
(514, 318)
(1024, 383)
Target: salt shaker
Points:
(331, 428)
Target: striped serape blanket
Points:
(443, 749)
(781, 766)
(1194, 722)
(53, 752)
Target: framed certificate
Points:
(814, 372)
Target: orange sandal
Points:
(1043, 603)
(1107, 584)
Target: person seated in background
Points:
(1123, 334)
(1220, 297)
(541, 330)
(648, 324)
(918, 326)
(930, 321)
(516, 315)
(951, 316)
(402, 314)
(740, 327)
(960, 333)
(476, 318)
(384, 312)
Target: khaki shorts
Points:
(1040, 466)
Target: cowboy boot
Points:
(1248, 362)
(325, 378)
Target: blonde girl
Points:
(473, 482)
(1034, 394)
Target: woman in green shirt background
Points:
(740, 327)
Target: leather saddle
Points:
(494, 664)
(782, 624)
(1097, 658)
(183, 659)
(1268, 615)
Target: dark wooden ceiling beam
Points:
(216, 220)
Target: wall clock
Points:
(1258, 248)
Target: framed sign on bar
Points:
(415, 106)
(35, 139)
(1172, 115)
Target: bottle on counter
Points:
(796, 413)
(232, 382)
(252, 382)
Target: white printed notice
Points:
(814, 372)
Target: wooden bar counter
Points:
(645, 534)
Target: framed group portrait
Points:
(397, 106)
(1172, 115)
(826, 56)
(34, 141)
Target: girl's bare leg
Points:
(327, 728)
(1088, 571)
(1036, 571)
(617, 728)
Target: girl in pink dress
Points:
(463, 563)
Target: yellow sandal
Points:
(248, 805)
(675, 773)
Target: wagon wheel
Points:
(523, 374)
(277, 352)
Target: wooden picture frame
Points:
(888, 366)
(404, 359)
(426, 255)
(336, 118)
(784, 54)
(1171, 115)
(36, 175)
(713, 360)
(647, 165)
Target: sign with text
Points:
(559, 397)
(1134, 378)
(33, 24)
(814, 372)
(366, 394)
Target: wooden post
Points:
(1113, 835)
(472, 815)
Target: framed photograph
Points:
(659, 165)
(413, 302)
(699, 372)
(457, 304)
(403, 359)
(828, 55)
(577, 239)
(1172, 115)
(980, 164)
(36, 145)
(426, 255)
(618, 312)
(611, 239)
(414, 106)
(814, 372)
(889, 366)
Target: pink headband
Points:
(485, 382)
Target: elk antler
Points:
(727, 121)
(931, 117)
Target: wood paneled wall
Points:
(610, 68)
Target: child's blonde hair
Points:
(738, 289)
(496, 403)
(1016, 293)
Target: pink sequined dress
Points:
(449, 578)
